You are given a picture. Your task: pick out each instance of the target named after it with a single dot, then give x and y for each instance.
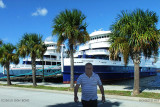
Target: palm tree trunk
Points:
(43, 70)
(8, 76)
(34, 72)
(136, 77)
(72, 68)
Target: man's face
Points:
(88, 68)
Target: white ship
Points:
(51, 60)
(96, 51)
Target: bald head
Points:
(87, 64)
(88, 68)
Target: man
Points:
(89, 81)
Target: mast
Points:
(62, 60)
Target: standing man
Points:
(89, 81)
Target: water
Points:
(152, 81)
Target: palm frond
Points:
(69, 25)
(139, 28)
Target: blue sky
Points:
(35, 16)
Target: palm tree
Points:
(1, 42)
(69, 26)
(8, 56)
(135, 34)
(44, 49)
(33, 46)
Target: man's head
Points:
(88, 68)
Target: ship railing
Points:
(98, 50)
(50, 59)
(19, 66)
(26, 59)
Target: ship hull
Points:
(108, 73)
(1, 75)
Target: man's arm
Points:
(75, 92)
(102, 92)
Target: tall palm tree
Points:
(33, 46)
(135, 34)
(8, 56)
(69, 25)
(43, 50)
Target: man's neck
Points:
(89, 74)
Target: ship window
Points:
(52, 56)
(42, 62)
(46, 56)
(48, 70)
(48, 63)
(38, 62)
(53, 63)
(58, 63)
(101, 57)
(28, 62)
(107, 57)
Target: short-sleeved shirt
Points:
(89, 86)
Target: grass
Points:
(39, 87)
(107, 92)
(149, 95)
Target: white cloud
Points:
(2, 5)
(40, 12)
(51, 39)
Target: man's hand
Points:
(103, 99)
(102, 91)
(76, 99)
(75, 92)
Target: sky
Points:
(18, 17)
